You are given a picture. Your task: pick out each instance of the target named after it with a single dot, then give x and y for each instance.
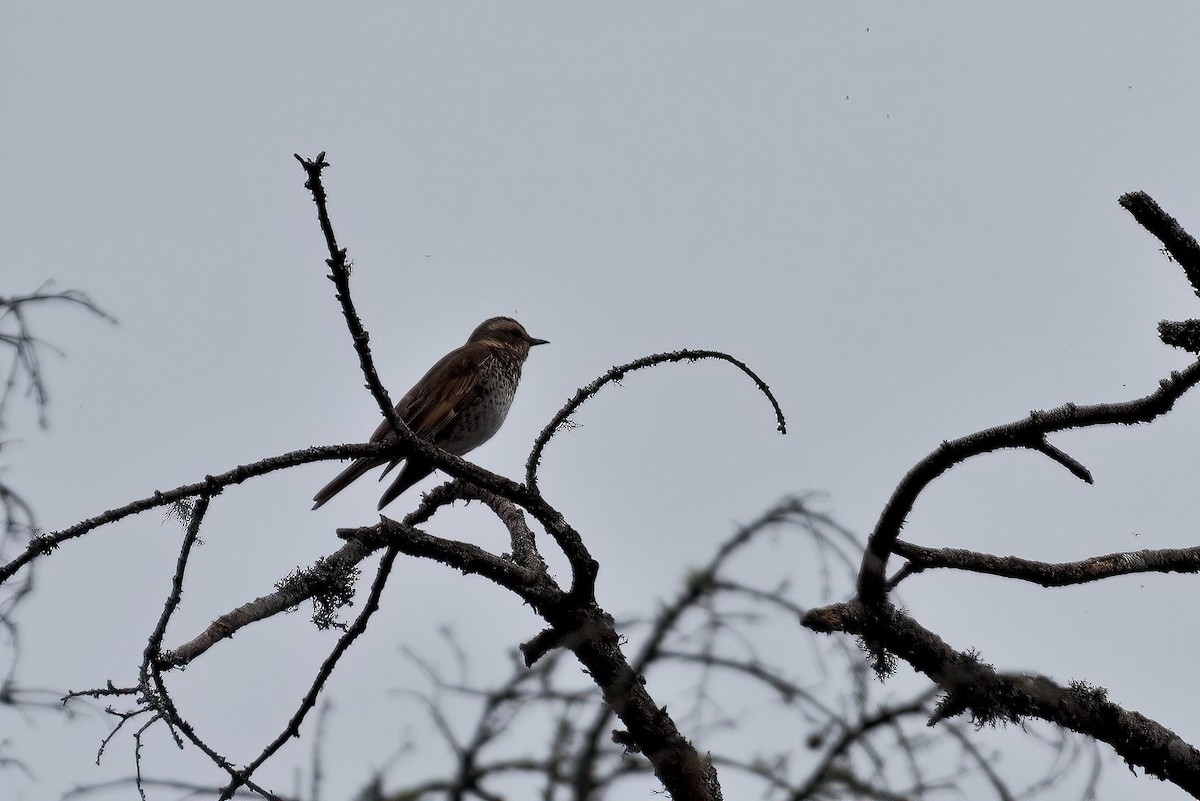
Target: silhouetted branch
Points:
(16, 333)
(18, 523)
(857, 744)
(1048, 574)
(189, 789)
(699, 586)
(339, 274)
(969, 685)
(588, 754)
(580, 624)
(1178, 242)
(583, 567)
(1025, 433)
(619, 372)
(992, 697)
(310, 699)
(45, 544)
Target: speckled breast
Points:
(482, 417)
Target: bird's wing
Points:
(438, 397)
(427, 408)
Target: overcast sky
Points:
(904, 217)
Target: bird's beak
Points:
(533, 342)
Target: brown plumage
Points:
(458, 405)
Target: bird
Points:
(458, 405)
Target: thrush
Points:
(458, 405)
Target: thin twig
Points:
(619, 372)
(310, 699)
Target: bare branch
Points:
(619, 372)
(1178, 242)
(858, 744)
(344, 642)
(1025, 433)
(1048, 574)
(991, 697)
(16, 332)
(339, 274)
(290, 594)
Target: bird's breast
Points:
(484, 411)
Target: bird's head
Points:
(505, 332)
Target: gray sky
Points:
(903, 217)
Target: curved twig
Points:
(619, 372)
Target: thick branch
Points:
(685, 775)
(463, 556)
(261, 608)
(700, 585)
(1178, 242)
(292, 593)
(1048, 574)
(991, 697)
(524, 545)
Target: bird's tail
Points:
(414, 470)
(344, 479)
